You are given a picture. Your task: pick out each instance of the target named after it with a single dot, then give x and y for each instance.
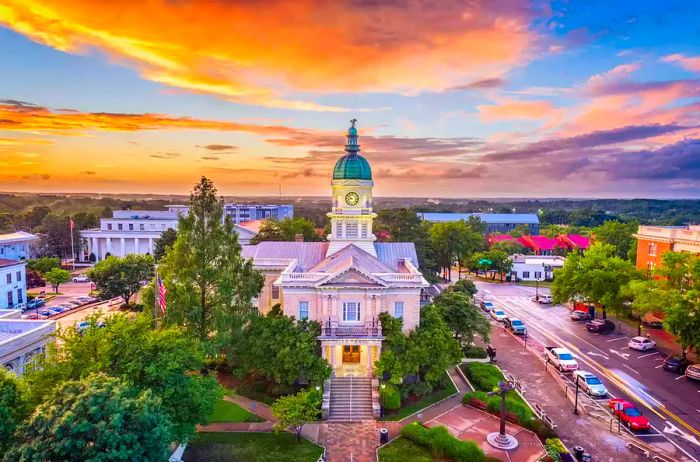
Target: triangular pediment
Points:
(354, 277)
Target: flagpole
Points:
(72, 246)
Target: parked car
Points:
(600, 326)
(487, 306)
(498, 314)
(34, 303)
(542, 299)
(693, 372)
(641, 344)
(70, 304)
(578, 315)
(515, 325)
(676, 364)
(44, 313)
(629, 414)
(590, 384)
(81, 278)
(86, 299)
(561, 358)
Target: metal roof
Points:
(17, 236)
(489, 218)
(351, 256)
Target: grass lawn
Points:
(251, 447)
(424, 402)
(225, 411)
(404, 450)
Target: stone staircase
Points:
(350, 399)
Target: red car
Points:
(629, 414)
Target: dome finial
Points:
(353, 122)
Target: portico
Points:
(352, 356)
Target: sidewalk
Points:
(539, 387)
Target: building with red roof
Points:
(575, 241)
(540, 245)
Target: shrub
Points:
(484, 377)
(417, 389)
(442, 443)
(389, 396)
(480, 395)
(474, 351)
(556, 444)
(540, 428)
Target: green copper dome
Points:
(352, 166)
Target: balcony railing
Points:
(349, 332)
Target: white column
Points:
(121, 243)
(150, 245)
(368, 348)
(136, 245)
(333, 347)
(109, 245)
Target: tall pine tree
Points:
(209, 284)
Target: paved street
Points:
(670, 401)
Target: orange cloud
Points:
(691, 63)
(260, 53)
(27, 117)
(513, 109)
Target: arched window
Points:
(351, 229)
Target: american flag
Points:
(161, 294)
(72, 223)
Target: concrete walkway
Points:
(256, 407)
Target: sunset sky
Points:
(582, 98)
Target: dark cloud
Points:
(481, 84)
(89, 172)
(688, 87)
(219, 147)
(588, 140)
(210, 158)
(37, 176)
(671, 162)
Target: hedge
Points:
(390, 396)
(484, 377)
(474, 351)
(442, 443)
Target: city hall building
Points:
(346, 282)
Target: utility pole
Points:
(576, 400)
(501, 440)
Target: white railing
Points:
(359, 331)
(273, 261)
(400, 277)
(302, 277)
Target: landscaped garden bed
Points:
(391, 397)
(251, 447)
(485, 378)
(404, 450)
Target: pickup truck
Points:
(561, 358)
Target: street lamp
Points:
(576, 399)
(500, 440)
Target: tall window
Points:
(538, 275)
(9, 298)
(351, 229)
(303, 310)
(19, 296)
(131, 226)
(364, 230)
(652, 249)
(19, 276)
(8, 277)
(275, 292)
(398, 310)
(351, 311)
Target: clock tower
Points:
(351, 216)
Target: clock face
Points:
(352, 198)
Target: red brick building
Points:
(654, 241)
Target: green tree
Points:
(55, 241)
(678, 270)
(97, 419)
(295, 411)
(404, 225)
(647, 296)
(511, 248)
(121, 277)
(283, 350)
(33, 218)
(210, 285)
(465, 286)
(13, 406)
(599, 275)
(44, 264)
(56, 277)
(620, 235)
(287, 230)
(163, 361)
(164, 243)
(463, 318)
(454, 242)
(7, 221)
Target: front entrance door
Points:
(351, 353)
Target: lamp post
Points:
(500, 440)
(576, 399)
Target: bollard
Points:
(383, 436)
(578, 452)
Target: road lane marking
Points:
(660, 365)
(621, 355)
(679, 377)
(625, 365)
(615, 339)
(647, 355)
(618, 381)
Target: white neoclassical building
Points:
(344, 283)
(16, 246)
(135, 231)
